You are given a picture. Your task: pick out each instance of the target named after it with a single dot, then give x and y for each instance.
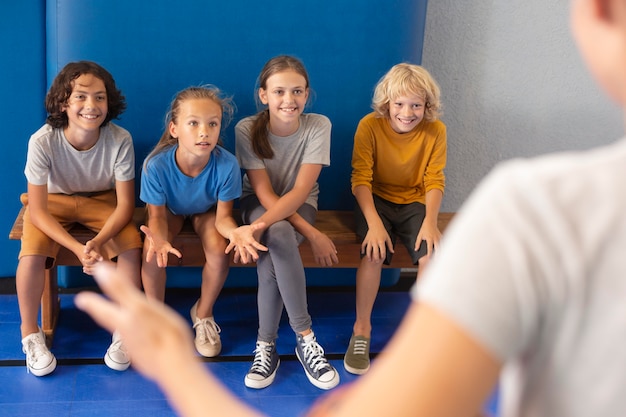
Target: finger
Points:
(259, 246)
(230, 247)
(116, 287)
(146, 230)
(176, 253)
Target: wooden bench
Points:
(338, 225)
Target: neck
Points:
(81, 140)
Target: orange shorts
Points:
(91, 211)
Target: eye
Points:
(298, 92)
(192, 123)
(101, 98)
(79, 97)
(417, 106)
(278, 92)
(213, 124)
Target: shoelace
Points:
(262, 359)
(117, 345)
(34, 351)
(360, 347)
(314, 356)
(208, 329)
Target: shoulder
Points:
(223, 154)
(435, 126)
(372, 119)
(245, 124)
(44, 132)
(116, 132)
(315, 119)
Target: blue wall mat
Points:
(155, 48)
(22, 89)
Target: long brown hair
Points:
(202, 92)
(260, 126)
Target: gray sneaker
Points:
(357, 358)
(263, 369)
(207, 341)
(311, 355)
(39, 360)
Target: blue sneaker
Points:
(264, 367)
(311, 355)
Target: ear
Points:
(263, 95)
(173, 130)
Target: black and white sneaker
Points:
(311, 355)
(264, 367)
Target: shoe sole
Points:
(116, 366)
(319, 384)
(355, 371)
(44, 371)
(256, 384)
(200, 348)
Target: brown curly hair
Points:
(63, 84)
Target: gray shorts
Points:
(402, 221)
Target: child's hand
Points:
(158, 340)
(158, 247)
(376, 243)
(242, 240)
(324, 250)
(431, 234)
(91, 254)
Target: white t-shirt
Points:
(52, 160)
(534, 268)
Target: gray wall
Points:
(513, 85)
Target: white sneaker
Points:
(207, 340)
(39, 360)
(116, 357)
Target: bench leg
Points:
(50, 304)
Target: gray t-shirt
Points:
(534, 268)
(309, 145)
(52, 160)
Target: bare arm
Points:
(123, 213)
(430, 230)
(428, 358)
(157, 237)
(377, 241)
(44, 221)
(241, 238)
(284, 207)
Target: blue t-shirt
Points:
(163, 183)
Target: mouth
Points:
(289, 110)
(90, 116)
(203, 144)
(406, 122)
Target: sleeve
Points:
(38, 163)
(488, 276)
(317, 150)
(231, 184)
(434, 177)
(363, 156)
(125, 162)
(151, 191)
(243, 146)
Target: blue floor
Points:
(83, 386)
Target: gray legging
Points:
(280, 272)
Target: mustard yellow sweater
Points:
(399, 167)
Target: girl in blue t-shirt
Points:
(189, 176)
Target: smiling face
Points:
(197, 128)
(285, 95)
(406, 112)
(87, 106)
